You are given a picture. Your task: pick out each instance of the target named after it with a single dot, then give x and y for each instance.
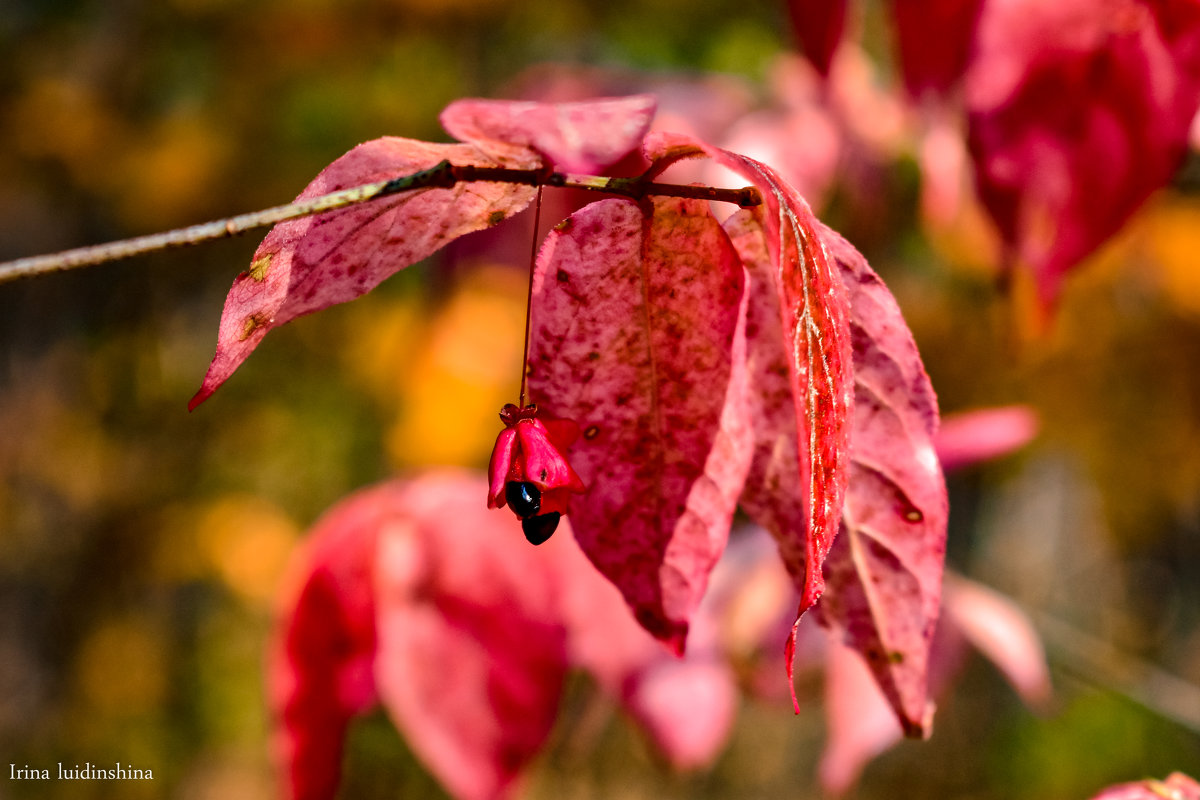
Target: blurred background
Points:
(141, 546)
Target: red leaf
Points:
(800, 371)
(933, 42)
(321, 661)
(305, 265)
(884, 570)
(1078, 111)
(574, 137)
(635, 323)
(818, 25)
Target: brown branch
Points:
(443, 175)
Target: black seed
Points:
(539, 529)
(523, 497)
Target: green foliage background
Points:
(140, 546)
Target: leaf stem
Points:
(533, 248)
(443, 175)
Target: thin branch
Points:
(443, 175)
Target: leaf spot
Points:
(562, 276)
(258, 269)
(251, 324)
(495, 218)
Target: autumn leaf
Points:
(884, 570)
(635, 320)
(574, 137)
(1077, 112)
(414, 592)
(307, 264)
(799, 359)
(819, 25)
(320, 671)
(933, 42)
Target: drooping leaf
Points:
(884, 570)
(321, 662)
(800, 406)
(635, 321)
(574, 137)
(933, 42)
(1078, 111)
(818, 25)
(305, 265)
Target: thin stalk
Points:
(537, 220)
(443, 175)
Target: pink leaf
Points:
(818, 25)
(574, 137)
(686, 706)
(321, 662)
(933, 40)
(800, 370)
(635, 322)
(972, 436)
(472, 649)
(305, 265)
(1000, 630)
(884, 570)
(1177, 786)
(859, 723)
(1078, 111)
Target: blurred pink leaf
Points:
(475, 634)
(969, 437)
(1078, 111)
(798, 135)
(321, 662)
(1001, 631)
(859, 721)
(933, 42)
(884, 571)
(1177, 786)
(574, 137)
(818, 25)
(472, 654)
(634, 330)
